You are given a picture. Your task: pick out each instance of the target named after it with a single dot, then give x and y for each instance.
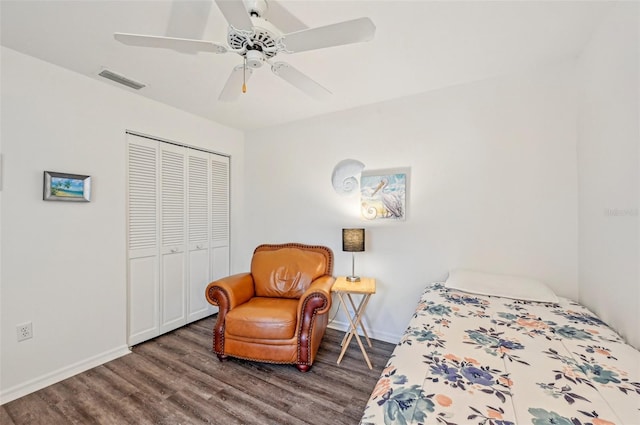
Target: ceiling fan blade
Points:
(283, 19)
(188, 19)
(236, 14)
(347, 32)
(233, 87)
(299, 80)
(183, 45)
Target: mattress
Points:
(475, 359)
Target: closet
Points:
(177, 233)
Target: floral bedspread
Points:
(473, 359)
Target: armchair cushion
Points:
(264, 318)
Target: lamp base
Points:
(353, 278)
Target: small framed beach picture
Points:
(66, 187)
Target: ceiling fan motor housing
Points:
(260, 44)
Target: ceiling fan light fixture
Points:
(254, 58)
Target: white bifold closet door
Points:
(173, 307)
(143, 268)
(178, 234)
(198, 194)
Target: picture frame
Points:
(66, 187)
(383, 194)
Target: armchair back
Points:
(286, 271)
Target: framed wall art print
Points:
(66, 187)
(383, 194)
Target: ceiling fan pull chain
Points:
(244, 75)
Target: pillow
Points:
(519, 288)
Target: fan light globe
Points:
(254, 59)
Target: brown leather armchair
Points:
(278, 313)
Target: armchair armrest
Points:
(230, 291)
(227, 293)
(320, 292)
(315, 301)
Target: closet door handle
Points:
(173, 250)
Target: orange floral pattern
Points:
(443, 400)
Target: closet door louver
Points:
(219, 216)
(198, 198)
(173, 235)
(143, 208)
(143, 239)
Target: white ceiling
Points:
(418, 46)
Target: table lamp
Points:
(353, 241)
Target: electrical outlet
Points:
(24, 331)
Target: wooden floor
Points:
(176, 379)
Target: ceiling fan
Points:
(258, 31)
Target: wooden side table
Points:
(365, 287)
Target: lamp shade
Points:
(353, 240)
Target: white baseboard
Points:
(61, 374)
(381, 336)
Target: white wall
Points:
(64, 264)
(493, 186)
(608, 172)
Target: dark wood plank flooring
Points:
(176, 379)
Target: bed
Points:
(470, 358)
